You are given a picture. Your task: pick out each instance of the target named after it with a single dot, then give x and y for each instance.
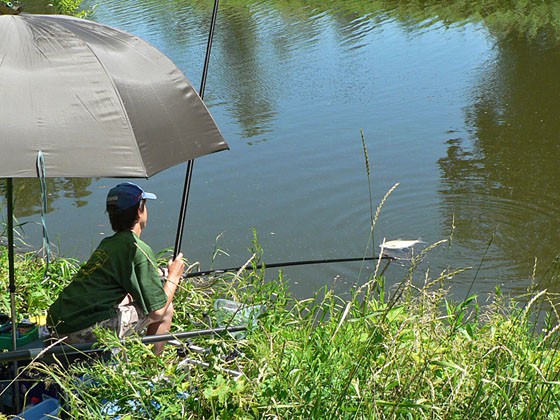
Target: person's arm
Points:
(175, 272)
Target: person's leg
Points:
(131, 318)
(161, 327)
(85, 335)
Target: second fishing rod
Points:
(287, 264)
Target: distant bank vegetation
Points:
(537, 20)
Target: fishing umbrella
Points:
(82, 99)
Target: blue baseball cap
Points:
(127, 195)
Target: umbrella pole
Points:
(190, 164)
(12, 282)
(11, 269)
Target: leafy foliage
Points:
(69, 7)
(35, 289)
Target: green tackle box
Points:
(26, 334)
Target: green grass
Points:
(34, 291)
(402, 352)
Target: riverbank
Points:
(408, 352)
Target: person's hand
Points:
(176, 267)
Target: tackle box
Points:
(26, 333)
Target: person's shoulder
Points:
(119, 240)
(141, 244)
(123, 236)
(143, 252)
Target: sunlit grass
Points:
(35, 289)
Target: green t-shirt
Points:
(121, 264)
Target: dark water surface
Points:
(463, 116)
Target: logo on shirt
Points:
(97, 260)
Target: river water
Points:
(464, 119)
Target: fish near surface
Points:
(399, 249)
(400, 244)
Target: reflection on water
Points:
(27, 193)
(457, 101)
(503, 178)
(251, 103)
(36, 6)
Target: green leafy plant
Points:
(70, 7)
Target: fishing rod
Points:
(284, 264)
(88, 348)
(190, 163)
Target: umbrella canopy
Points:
(81, 99)
(96, 101)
